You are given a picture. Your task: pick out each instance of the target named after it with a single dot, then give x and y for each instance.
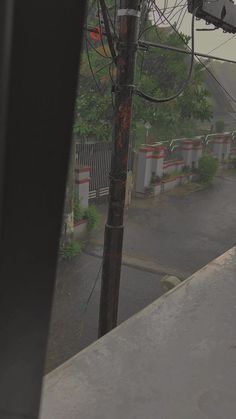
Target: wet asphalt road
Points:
(181, 231)
(185, 232)
(74, 324)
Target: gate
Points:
(98, 157)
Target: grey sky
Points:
(206, 41)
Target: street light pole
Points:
(129, 20)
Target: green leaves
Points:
(207, 168)
(160, 74)
(94, 117)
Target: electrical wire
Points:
(86, 304)
(107, 29)
(91, 68)
(223, 43)
(160, 17)
(172, 7)
(95, 49)
(180, 11)
(186, 82)
(182, 18)
(141, 67)
(101, 30)
(217, 81)
(145, 10)
(93, 288)
(113, 85)
(115, 13)
(201, 62)
(102, 68)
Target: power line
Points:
(200, 61)
(91, 68)
(172, 7)
(185, 83)
(223, 43)
(182, 18)
(146, 44)
(102, 68)
(95, 49)
(217, 81)
(172, 16)
(110, 38)
(86, 304)
(93, 288)
(100, 30)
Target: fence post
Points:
(227, 146)
(144, 168)
(197, 153)
(218, 147)
(158, 160)
(82, 179)
(187, 151)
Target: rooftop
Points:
(176, 359)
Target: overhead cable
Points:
(201, 62)
(185, 83)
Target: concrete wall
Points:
(218, 147)
(227, 147)
(82, 179)
(197, 152)
(141, 169)
(222, 146)
(169, 184)
(150, 161)
(172, 166)
(233, 152)
(187, 149)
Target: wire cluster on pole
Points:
(168, 16)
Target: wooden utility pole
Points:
(128, 26)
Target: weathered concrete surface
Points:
(174, 360)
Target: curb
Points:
(141, 264)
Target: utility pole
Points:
(128, 26)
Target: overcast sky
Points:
(206, 41)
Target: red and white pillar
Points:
(187, 152)
(218, 147)
(82, 180)
(197, 153)
(157, 158)
(227, 146)
(144, 168)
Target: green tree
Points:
(207, 168)
(163, 74)
(159, 73)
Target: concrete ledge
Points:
(174, 360)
